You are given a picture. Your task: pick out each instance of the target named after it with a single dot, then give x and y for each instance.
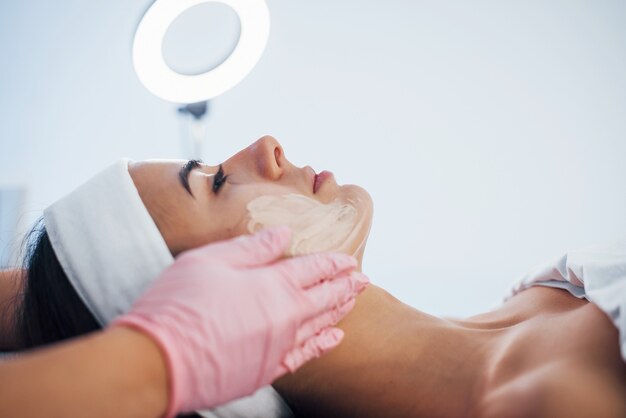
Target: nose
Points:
(267, 156)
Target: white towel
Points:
(264, 403)
(107, 243)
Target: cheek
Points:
(226, 217)
(207, 225)
(233, 206)
(316, 227)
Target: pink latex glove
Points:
(233, 316)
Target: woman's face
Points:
(215, 207)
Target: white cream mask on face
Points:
(316, 226)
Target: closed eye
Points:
(219, 179)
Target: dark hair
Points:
(50, 309)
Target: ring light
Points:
(169, 85)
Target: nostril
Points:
(277, 155)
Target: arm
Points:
(6, 274)
(118, 372)
(10, 283)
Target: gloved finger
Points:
(314, 347)
(308, 270)
(254, 250)
(334, 293)
(315, 325)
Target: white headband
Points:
(106, 242)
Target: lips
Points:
(320, 179)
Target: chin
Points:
(362, 202)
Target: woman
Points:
(543, 353)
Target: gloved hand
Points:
(233, 316)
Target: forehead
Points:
(160, 168)
(152, 176)
(158, 186)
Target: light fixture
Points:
(169, 85)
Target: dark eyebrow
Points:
(185, 170)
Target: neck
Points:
(414, 364)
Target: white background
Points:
(490, 134)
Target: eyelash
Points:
(219, 179)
